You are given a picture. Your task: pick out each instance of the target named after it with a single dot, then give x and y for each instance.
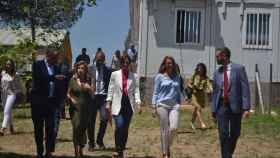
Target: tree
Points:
(46, 14)
(22, 53)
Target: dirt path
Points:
(144, 141)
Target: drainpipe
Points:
(140, 54)
(147, 41)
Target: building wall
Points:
(223, 27)
(157, 38)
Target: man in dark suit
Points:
(100, 74)
(45, 101)
(83, 57)
(231, 100)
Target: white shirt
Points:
(99, 81)
(229, 71)
(50, 72)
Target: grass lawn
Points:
(260, 138)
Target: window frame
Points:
(202, 26)
(257, 11)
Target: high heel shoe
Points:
(193, 126)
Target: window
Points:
(189, 26)
(257, 30)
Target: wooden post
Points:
(270, 88)
(256, 89)
(259, 89)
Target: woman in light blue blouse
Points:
(166, 102)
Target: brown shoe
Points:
(2, 131)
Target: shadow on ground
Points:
(15, 155)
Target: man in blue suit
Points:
(45, 101)
(231, 100)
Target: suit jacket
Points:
(41, 82)
(115, 91)
(239, 89)
(106, 75)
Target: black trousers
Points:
(99, 104)
(229, 125)
(122, 122)
(44, 119)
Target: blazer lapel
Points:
(129, 80)
(232, 76)
(44, 67)
(120, 79)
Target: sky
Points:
(105, 25)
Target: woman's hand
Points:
(86, 87)
(73, 101)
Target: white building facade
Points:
(192, 30)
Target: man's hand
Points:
(246, 114)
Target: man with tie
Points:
(100, 75)
(45, 101)
(231, 100)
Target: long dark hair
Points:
(162, 68)
(13, 67)
(204, 69)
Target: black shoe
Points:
(120, 153)
(91, 148)
(48, 156)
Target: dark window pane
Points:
(268, 19)
(199, 26)
(187, 26)
(178, 38)
(247, 29)
(182, 27)
(260, 29)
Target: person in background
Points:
(132, 53)
(199, 84)
(184, 89)
(122, 100)
(64, 69)
(45, 102)
(79, 95)
(231, 100)
(166, 102)
(83, 57)
(9, 86)
(101, 75)
(115, 65)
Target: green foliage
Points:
(22, 53)
(46, 14)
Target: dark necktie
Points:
(226, 84)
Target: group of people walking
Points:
(230, 99)
(92, 88)
(114, 93)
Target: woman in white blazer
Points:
(122, 100)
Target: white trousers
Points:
(169, 122)
(7, 120)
